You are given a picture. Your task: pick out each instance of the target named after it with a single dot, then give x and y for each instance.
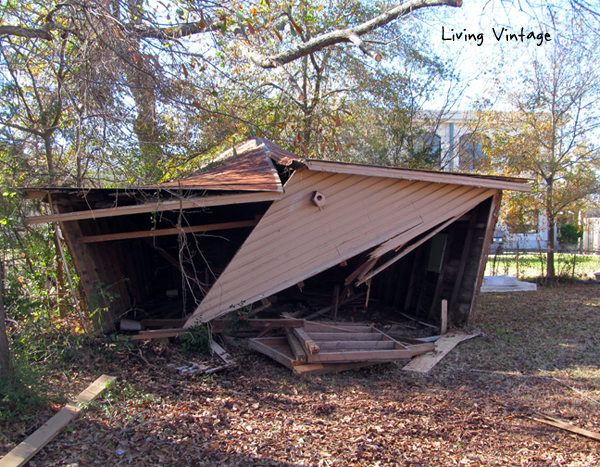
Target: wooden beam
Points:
(222, 354)
(489, 235)
(376, 355)
(267, 348)
(567, 426)
(190, 203)
(159, 334)
(162, 232)
(443, 346)
(406, 251)
(20, 455)
(444, 317)
(463, 260)
(295, 345)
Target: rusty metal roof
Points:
(246, 167)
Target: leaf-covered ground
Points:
(540, 354)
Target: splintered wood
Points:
(317, 348)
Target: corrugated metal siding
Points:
(295, 239)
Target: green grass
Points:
(532, 266)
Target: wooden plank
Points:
(444, 317)
(306, 341)
(222, 353)
(418, 349)
(322, 311)
(262, 323)
(566, 426)
(324, 368)
(489, 234)
(406, 251)
(162, 232)
(323, 327)
(159, 334)
(345, 336)
(161, 206)
(463, 259)
(379, 355)
(159, 323)
(33, 444)
(443, 346)
(355, 345)
(295, 345)
(503, 183)
(260, 346)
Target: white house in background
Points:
(591, 234)
(457, 136)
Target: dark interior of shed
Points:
(142, 278)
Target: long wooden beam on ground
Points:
(425, 362)
(33, 444)
(189, 203)
(162, 232)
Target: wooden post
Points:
(336, 301)
(444, 321)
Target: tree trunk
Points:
(5, 364)
(550, 272)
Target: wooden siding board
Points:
(502, 183)
(320, 247)
(273, 259)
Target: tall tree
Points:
(549, 135)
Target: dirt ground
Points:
(539, 354)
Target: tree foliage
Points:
(549, 134)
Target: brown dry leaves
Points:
(260, 414)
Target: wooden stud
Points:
(444, 318)
(20, 455)
(297, 349)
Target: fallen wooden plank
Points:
(425, 362)
(418, 349)
(276, 354)
(311, 326)
(33, 444)
(354, 345)
(260, 323)
(159, 323)
(324, 368)
(159, 334)
(377, 355)
(309, 345)
(295, 345)
(222, 354)
(345, 336)
(566, 426)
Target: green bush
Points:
(569, 234)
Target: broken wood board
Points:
(566, 426)
(222, 354)
(443, 346)
(33, 444)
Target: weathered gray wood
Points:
(327, 346)
(295, 345)
(566, 426)
(444, 345)
(344, 336)
(360, 356)
(444, 317)
(262, 346)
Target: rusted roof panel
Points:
(250, 169)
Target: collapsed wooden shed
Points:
(262, 220)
